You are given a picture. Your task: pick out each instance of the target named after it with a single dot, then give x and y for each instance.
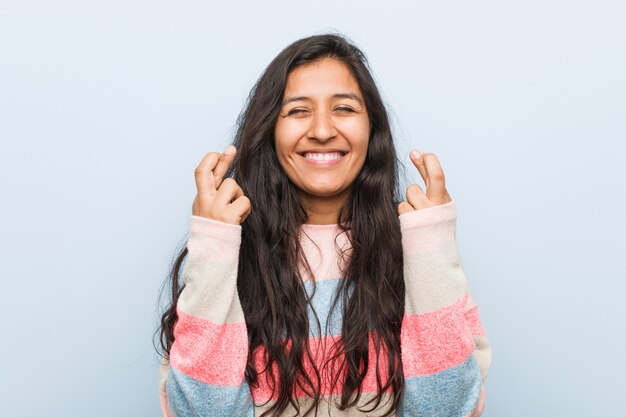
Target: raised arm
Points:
(207, 360)
(445, 352)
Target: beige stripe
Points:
(482, 354)
(210, 277)
(163, 374)
(433, 279)
(211, 291)
(471, 303)
(327, 409)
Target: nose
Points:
(322, 126)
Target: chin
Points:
(324, 191)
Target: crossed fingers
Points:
(210, 172)
(219, 198)
(430, 170)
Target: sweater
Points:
(445, 352)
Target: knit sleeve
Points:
(205, 372)
(445, 352)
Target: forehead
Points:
(321, 78)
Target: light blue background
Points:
(107, 107)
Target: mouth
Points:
(323, 158)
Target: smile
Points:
(326, 156)
(323, 158)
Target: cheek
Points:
(357, 132)
(285, 138)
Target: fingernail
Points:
(229, 150)
(415, 153)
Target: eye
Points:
(295, 111)
(343, 109)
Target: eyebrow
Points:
(338, 95)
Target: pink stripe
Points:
(263, 392)
(429, 229)
(472, 317)
(208, 352)
(318, 242)
(369, 383)
(428, 216)
(428, 239)
(435, 341)
(214, 240)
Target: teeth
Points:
(327, 156)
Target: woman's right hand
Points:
(219, 198)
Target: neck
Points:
(323, 210)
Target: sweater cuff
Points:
(222, 230)
(422, 217)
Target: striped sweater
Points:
(445, 352)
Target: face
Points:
(322, 132)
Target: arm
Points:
(445, 352)
(205, 373)
(482, 349)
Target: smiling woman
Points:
(311, 288)
(321, 136)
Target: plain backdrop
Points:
(106, 108)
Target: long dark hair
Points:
(272, 294)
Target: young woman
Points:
(310, 287)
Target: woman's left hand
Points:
(430, 169)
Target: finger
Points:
(418, 161)
(436, 189)
(228, 191)
(223, 162)
(204, 173)
(405, 207)
(242, 205)
(416, 197)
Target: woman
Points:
(310, 287)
